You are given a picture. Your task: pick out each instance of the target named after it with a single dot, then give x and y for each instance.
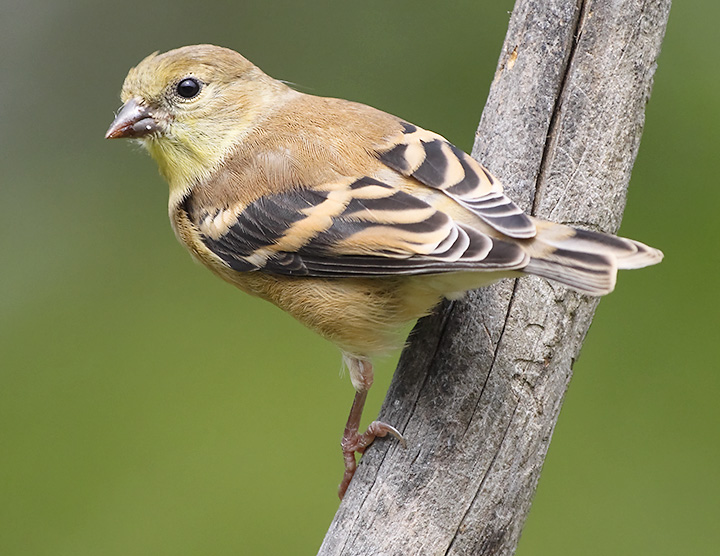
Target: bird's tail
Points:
(583, 260)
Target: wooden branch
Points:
(479, 388)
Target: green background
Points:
(147, 408)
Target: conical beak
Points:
(134, 120)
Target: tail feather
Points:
(627, 252)
(590, 273)
(587, 261)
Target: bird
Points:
(352, 220)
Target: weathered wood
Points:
(479, 388)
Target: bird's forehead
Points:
(154, 74)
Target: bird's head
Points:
(189, 106)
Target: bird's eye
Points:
(188, 87)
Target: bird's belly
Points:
(362, 316)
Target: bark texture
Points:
(479, 388)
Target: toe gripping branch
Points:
(353, 442)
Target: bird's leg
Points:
(361, 375)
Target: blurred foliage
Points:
(146, 408)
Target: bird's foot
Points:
(353, 442)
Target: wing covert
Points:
(435, 162)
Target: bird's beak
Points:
(134, 120)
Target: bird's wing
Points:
(361, 227)
(435, 162)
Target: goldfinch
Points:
(352, 220)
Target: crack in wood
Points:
(555, 115)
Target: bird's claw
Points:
(353, 443)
